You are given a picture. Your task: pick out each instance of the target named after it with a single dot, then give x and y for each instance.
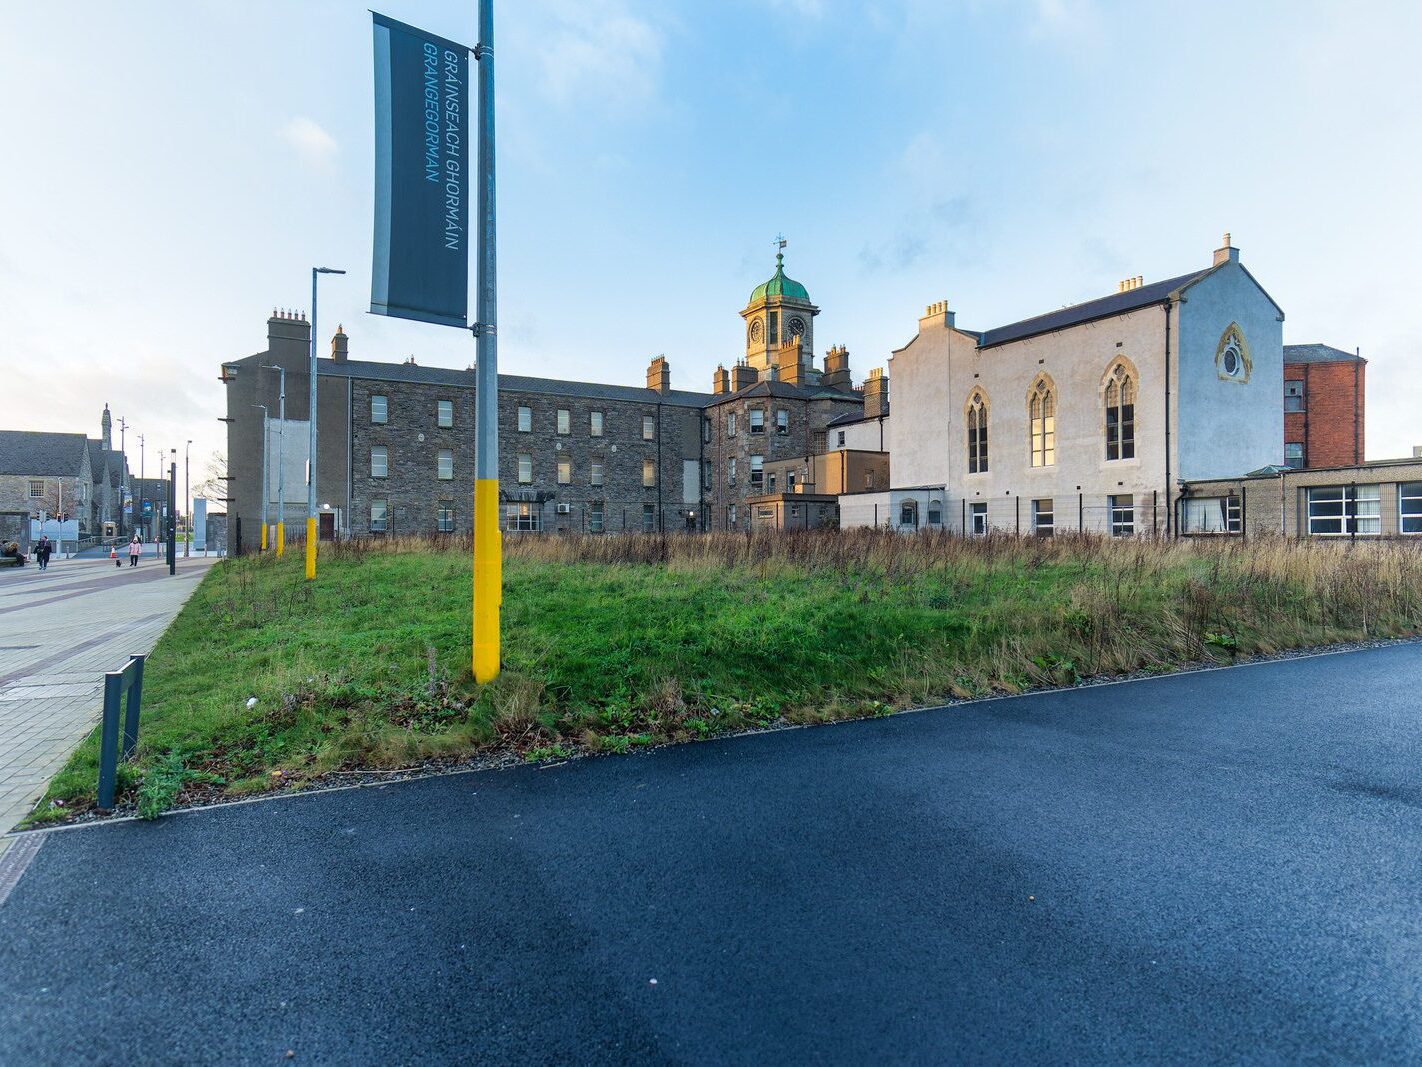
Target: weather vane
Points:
(780, 241)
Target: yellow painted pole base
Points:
(264, 537)
(488, 579)
(310, 548)
(281, 539)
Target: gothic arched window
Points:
(1042, 421)
(977, 433)
(1120, 413)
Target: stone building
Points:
(395, 441)
(1088, 417)
(1323, 406)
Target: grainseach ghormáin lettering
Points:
(450, 172)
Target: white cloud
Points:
(599, 50)
(313, 144)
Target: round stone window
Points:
(1231, 361)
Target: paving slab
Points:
(60, 630)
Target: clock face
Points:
(795, 327)
(757, 331)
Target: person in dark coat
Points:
(42, 552)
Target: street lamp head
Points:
(327, 270)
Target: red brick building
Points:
(1323, 406)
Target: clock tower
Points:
(778, 310)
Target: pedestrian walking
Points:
(42, 552)
(135, 548)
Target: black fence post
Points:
(1243, 512)
(108, 741)
(131, 706)
(1080, 512)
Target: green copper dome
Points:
(780, 285)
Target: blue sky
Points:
(172, 171)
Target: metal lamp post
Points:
(263, 543)
(142, 487)
(281, 462)
(188, 498)
(311, 414)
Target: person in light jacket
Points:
(135, 548)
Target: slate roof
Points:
(41, 455)
(510, 383)
(854, 416)
(1104, 307)
(518, 383)
(1319, 354)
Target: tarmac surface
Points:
(1224, 865)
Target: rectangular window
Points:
(525, 469)
(935, 513)
(1042, 415)
(446, 516)
(765, 515)
(445, 413)
(1341, 510)
(379, 462)
(1123, 515)
(757, 473)
(649, 473)
(595, 520)
(706, 430)
(731, 471)
(649, 428)
(757, 420)
(977, 438)
(730, 424)
(523, 518)
(595, 471)
(446, 463)
(977, 515)
(565, 421)
(36, 488)
(841, 438)
(377, 516)
(706, 474)
(649, 517)
(1216, 514)
(1294, 455)
(782, 421)
(1043, 521)
(565, 470)
(525, 420)
(868, 479)
(595, 423)
(1293, 396)
(770, 482)
(379, 409)
(1409, 507)
(731, 516)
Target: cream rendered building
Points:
(1088, 417)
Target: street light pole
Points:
(142, 486)
(311, 414)
(188, 499)
(488, 561)
(281, 463)
(263, 544)
(123, 471)
(172, 509)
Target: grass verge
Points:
(266, 681)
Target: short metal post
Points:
(108, 742)
(135, 699)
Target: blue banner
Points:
(423, 184)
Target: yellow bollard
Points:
(488, 579)
(310, 547)
(264, 537)
(281, 539)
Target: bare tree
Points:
(213, 485)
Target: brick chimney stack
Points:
(340, 345)
(1226, 253)
(720, 381)
(288, 325)
(787, 360)
(659, 375)
(876, 394)
(836, 374)
(937, 314)
(742, 376)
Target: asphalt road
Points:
(1212, 867)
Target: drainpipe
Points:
(1169, 509)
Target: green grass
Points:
(614, 644)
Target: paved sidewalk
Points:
(60, 630)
